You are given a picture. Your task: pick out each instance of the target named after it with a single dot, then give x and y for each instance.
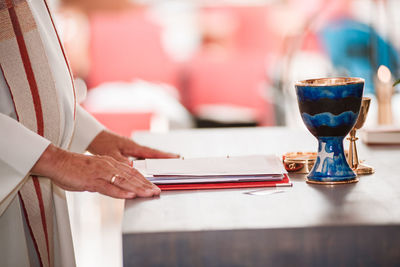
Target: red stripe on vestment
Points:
(42, 212)
(19, 194)
(9, 89)
(38, 109)
(28, 68)
(63, 52)
(30, 230)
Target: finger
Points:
(131, 148)
(136, 181)
(146, 152)
(108, 189)
(131, 174)
(136, 186)
(137, 175)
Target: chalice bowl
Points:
(329, 108)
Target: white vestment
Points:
(20, 149)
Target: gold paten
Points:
(299, 162)
(352, 159)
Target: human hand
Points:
(120, 148)
(77, 172)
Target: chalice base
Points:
(331, 167)
(364, 169)
(354, 180)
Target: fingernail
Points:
(156, 187)
(131, 195)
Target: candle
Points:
(384, 92)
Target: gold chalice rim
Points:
(334, 81)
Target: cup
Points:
(329, 108)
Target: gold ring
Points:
(113, 178)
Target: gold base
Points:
(355, 180)
(364, 169)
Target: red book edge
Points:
(169, 187)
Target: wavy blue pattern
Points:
(334, 92)
(329, 119)
(331, 164)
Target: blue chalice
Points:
(329, 108)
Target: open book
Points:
(212, 170)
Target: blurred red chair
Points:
(125, 46)
(124, 123)
(226, 80)
(236, 81)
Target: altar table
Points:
(305, 225)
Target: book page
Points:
(240, 165)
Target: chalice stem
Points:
(331, 161)
(353, 156)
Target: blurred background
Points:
(160, 65)
(170, 64)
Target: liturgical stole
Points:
(26, 69)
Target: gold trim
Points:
(355, 180)
(330, 81)
(364, 169)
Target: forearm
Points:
(50, 162)
(86, 129)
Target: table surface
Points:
(373, 201)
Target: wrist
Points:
(96, 142)
(49, 162)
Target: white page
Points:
(140, 165)
(240, 165)
(213, 179)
